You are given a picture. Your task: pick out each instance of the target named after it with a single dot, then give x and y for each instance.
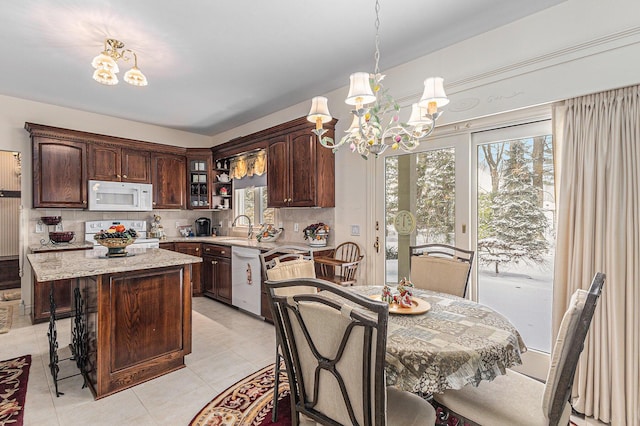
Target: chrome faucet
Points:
(250, 233)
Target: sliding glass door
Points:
(515, 227)
(492, 192)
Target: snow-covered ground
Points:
(522, 293)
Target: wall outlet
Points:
(355, 230)
(39, 228)
(280, 225)
(59, 227)
(295, 227)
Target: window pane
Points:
(424, 184)
(516, 234)
(252, 201)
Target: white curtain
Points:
(599, 230)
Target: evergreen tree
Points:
(518, 221)
(435, 198)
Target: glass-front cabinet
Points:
(222, 187)
(199, 179)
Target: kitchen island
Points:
(132, 315)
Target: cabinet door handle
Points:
(197, 249)
(124, 176)
(222, 252)
(214, 262)
(284, 201)
(207, 249)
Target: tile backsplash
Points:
(73, 220)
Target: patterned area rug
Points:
(6, 314)
(11, 295)
(14, 374)
(248, 402)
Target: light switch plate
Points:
(355, 230)
(39, 227)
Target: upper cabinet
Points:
(64, 160)
(113, 163)
(199, 178)
(59, 173)
(300, 171)
(168, 179)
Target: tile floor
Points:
(227, 346)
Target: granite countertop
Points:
(80, 245)
(242, 242)
(85, 263)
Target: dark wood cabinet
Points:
(199, 178)
(216, 272)
(59, 173)
(168, 176)
(62, 293)
(193, 249)
(113, 163)
(9, 272)
(301, 172)
(167, 246)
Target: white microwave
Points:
(119, 196)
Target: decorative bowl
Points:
(268, 233)
(116, 246)
(61, 237)
(51, 220)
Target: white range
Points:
(91, 228)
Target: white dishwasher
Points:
(246, 279)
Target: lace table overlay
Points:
(455, 343)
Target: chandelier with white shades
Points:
(376, 122)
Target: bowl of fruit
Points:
(115, 239)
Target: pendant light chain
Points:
(376, 70)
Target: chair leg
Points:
(276, 385)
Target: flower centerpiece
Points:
(316, 234)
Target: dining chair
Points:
(282, 263)
(344, 273)
(441, 267)
(334, 349)
(517, 399)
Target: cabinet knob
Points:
(197, 249)
(222, 252)
(207, 249)
(214, 262)
(124, 176)
(154, 203)
(118, 176)
(284, 201)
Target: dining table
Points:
(454, 343)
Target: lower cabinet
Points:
(216, 272)
(62, 293)
(193, 249)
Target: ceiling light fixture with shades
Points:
(106, 65)
(368, 134)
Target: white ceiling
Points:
(215, 65)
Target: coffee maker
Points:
(203, 227)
